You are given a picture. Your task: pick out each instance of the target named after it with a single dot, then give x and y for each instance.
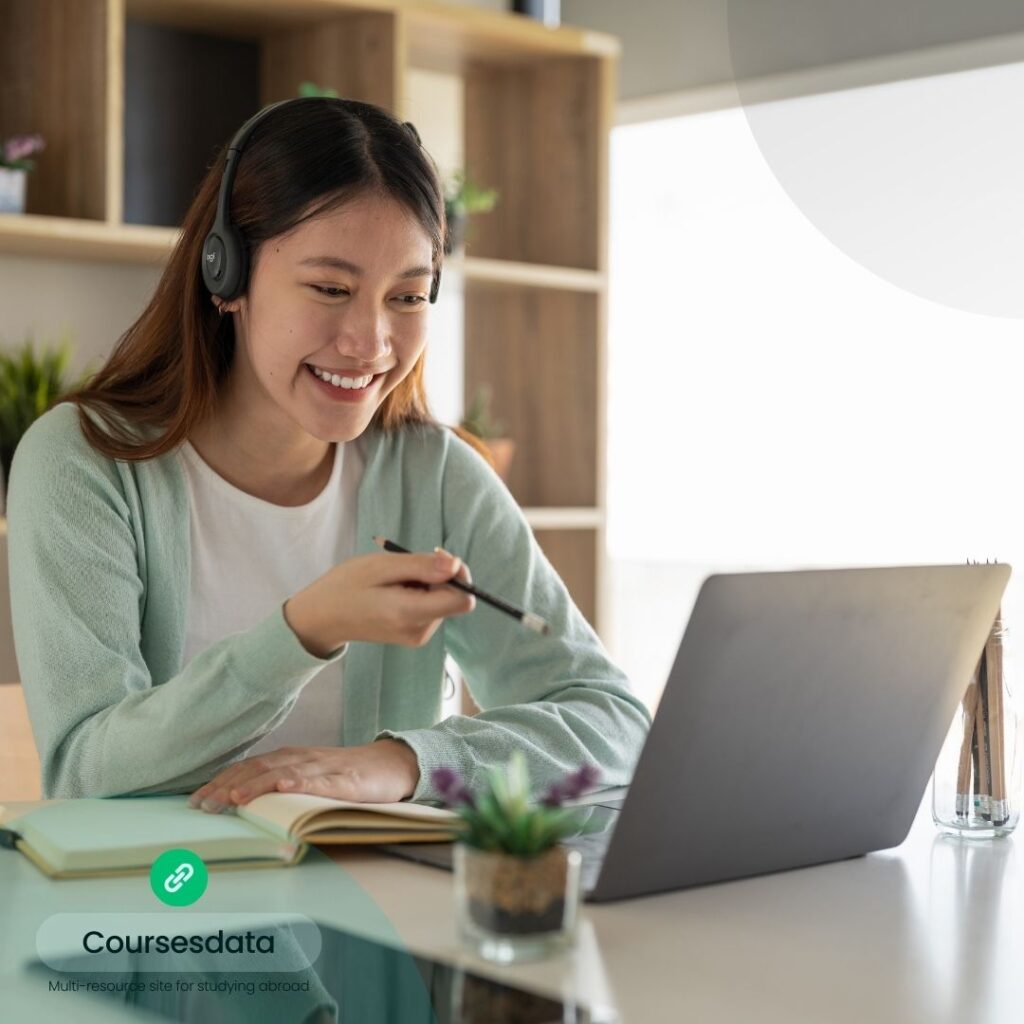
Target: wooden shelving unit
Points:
(135, 96)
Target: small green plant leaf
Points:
(502, 817)
(312, 89)
(478, 420)
(30, 383)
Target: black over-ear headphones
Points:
(225, 256)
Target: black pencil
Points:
(528, 619)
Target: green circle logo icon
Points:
(178, 878)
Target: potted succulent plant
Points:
(14, 167)
(463, 198)
(29, 384)
(479, 422)
(517, 887)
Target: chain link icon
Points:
(174, 881)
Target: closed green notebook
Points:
(76, 838)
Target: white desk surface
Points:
(932, 931)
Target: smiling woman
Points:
(308, 317)
(191, 533)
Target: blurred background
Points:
(738, 283)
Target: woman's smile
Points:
(347, 389)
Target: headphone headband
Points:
(225, 259)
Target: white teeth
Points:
(349, 383)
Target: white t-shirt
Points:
(249, 556)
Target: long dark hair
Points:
(168, 368)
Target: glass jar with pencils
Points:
(976, 788)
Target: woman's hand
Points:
(379, 598)
(384, 771)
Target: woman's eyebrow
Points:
(339, 264)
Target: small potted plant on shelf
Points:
(463, 198)
(312, 89)
(29, 384)
(479, 422)
(517, 887)
(14, 167)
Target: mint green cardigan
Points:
(99, 573)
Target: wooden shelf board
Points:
(537, 275)
(447, 38)
(242, 19)
(441, 36)
(564, 518)
(73, 238)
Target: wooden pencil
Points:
(963, 775)
(983, 792)
(994, 686)
(976, 762)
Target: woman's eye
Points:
(334, 293)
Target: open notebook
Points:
(72, 838)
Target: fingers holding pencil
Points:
(528, 619)
(446, 562)
(463, 574)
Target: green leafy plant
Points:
(478, 420)
(312, 89)
(463, 196)
(502, 817)
(29, 384)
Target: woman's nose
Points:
(365, 333)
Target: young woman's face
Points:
(335, 316)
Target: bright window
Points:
(774, 404)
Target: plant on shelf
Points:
(30, 383)
(312, 89)
(478, 421)
(517, 886)
(462, 197)
(14, 167)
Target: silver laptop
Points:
(799, 725)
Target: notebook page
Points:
(287, 814)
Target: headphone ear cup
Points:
(212, 263)
(225, 263)
(236, 273)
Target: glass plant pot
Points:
(976, 786)
(12, 189)
(457, 221)
(511, 908)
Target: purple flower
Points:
(573, 785)
(453, 790)
(553, 797)
(17, 147)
